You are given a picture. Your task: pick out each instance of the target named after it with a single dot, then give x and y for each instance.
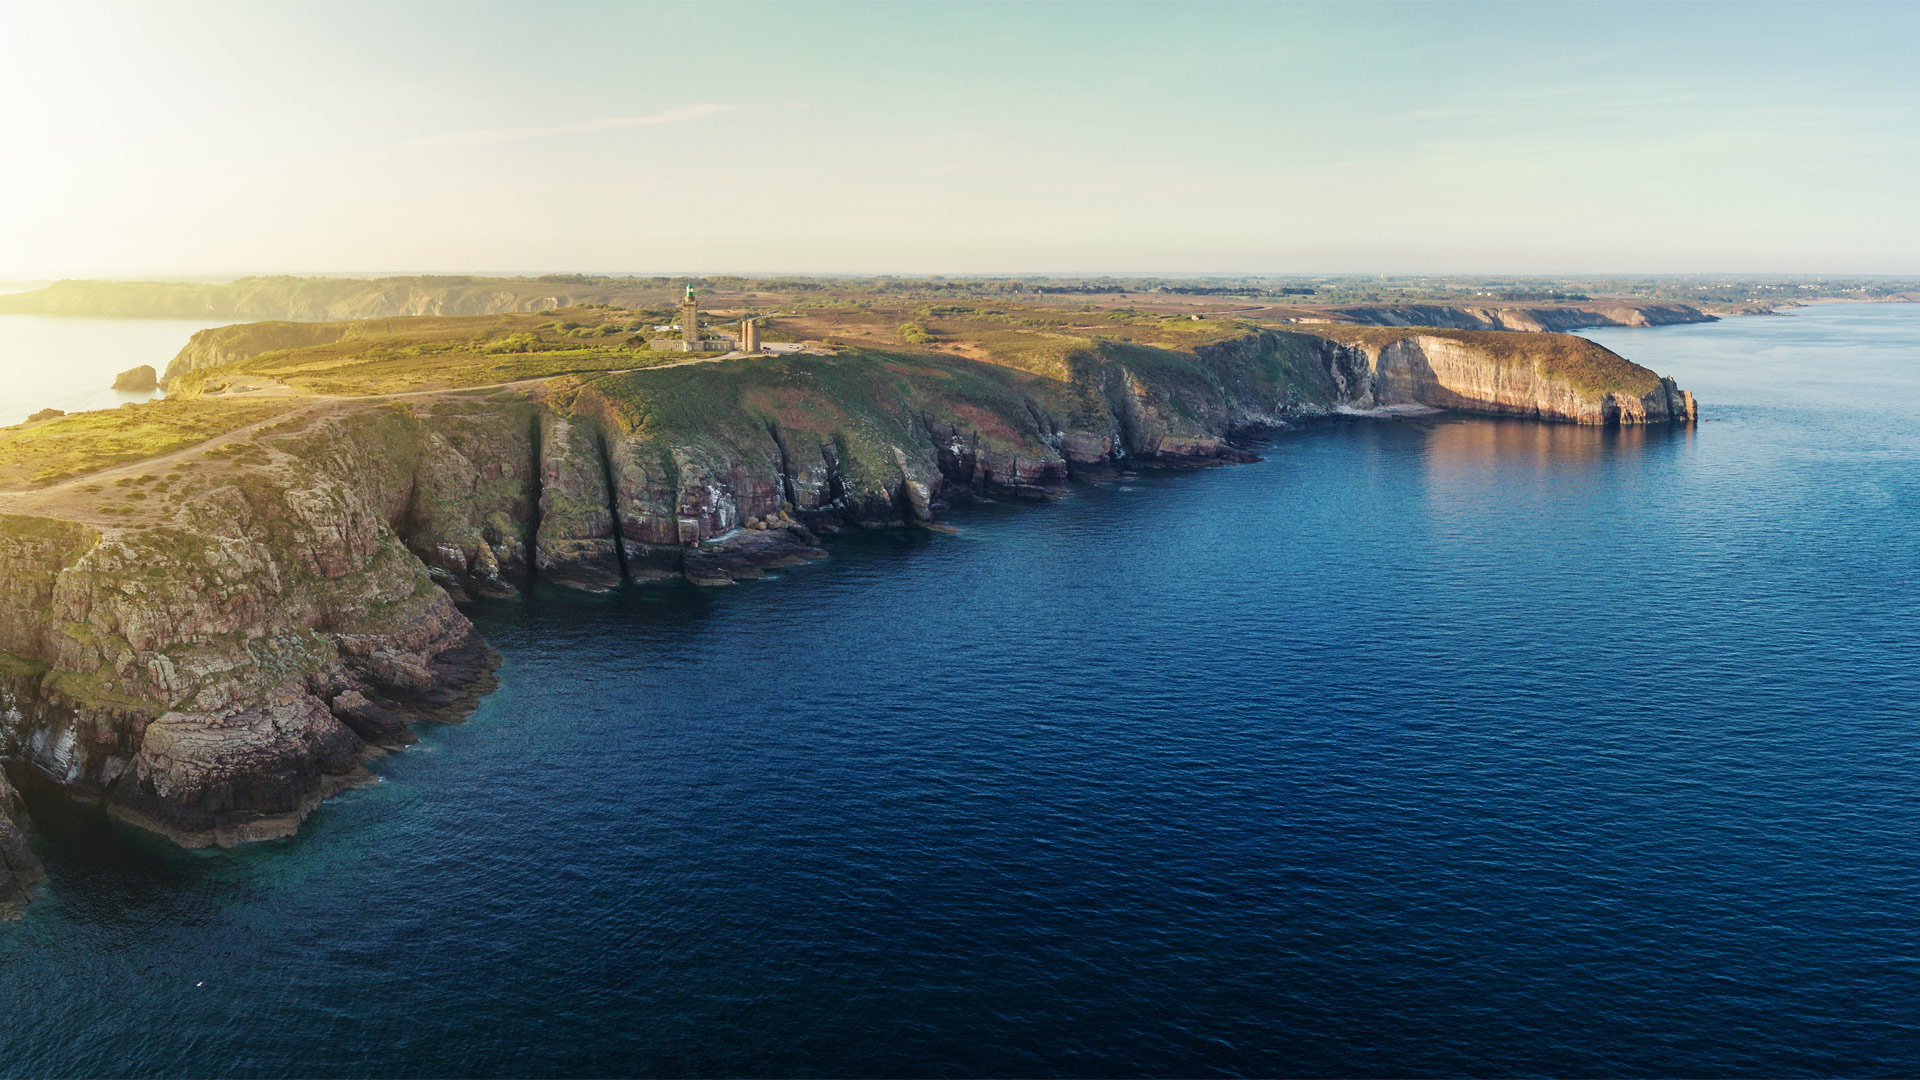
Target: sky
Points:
(157, 138)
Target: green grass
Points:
(19, 668)
(70, 446)
(866, 403)
(385, 356)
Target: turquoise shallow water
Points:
(1418, 748)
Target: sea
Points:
(1418, 748)
(69, 363)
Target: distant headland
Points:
(1459, 302)
(214, 606)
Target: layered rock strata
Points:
(212, 670)
(1576, 382)
(1525, 318)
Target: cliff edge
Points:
(1525, 318)
(210, 642)
(1553, 377)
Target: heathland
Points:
(214, 606)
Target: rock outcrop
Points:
(18, 868)
(1532, 318)
(225, 344)
(137, 380)
(212, 670)
(186, 673)
(1556, 378)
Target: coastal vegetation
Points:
(378, 356)
(1070, 359)
(82, 443)
(213, 605)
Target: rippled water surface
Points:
(1417, 748)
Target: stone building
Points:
(690, 320)
(691, 338)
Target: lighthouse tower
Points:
(690, 321)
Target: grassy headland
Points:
(69, 446)
(889, 358)
(384, 356)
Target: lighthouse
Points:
(690, 321)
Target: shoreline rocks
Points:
(19, 870)
(137, 380)
(214, 673)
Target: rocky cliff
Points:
(1529, 318)
(18, 868)
(213, 672)
(141, 379)
(223, 345)
(1549, 377)
(220, 648)
(212, 668)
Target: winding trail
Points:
(62, 499)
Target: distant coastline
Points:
(1506, 303)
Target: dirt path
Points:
(66, 498)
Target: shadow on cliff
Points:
(676, 599)
(96, 863)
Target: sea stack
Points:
(140, 380)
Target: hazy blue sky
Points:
(153, 137)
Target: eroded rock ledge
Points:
(213, 669)
(1527, 318)
(18, 868)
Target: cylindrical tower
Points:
(690, 320)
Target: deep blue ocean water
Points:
(1418, 748)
